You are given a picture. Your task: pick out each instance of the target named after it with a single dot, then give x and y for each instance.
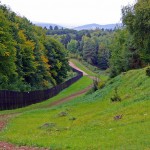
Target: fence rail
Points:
(14, 99)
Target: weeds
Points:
(148, 71)
(116, 97)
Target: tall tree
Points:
(50, 27)
(57, 59)
(72, 46)
(123, 54)
(89, 50)
(8, 72)
(137, 20)
(56, 28)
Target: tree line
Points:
(32, 58)
(119, 50)
(91, 45)
(29, 60)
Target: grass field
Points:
(88, 123)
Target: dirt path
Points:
(4, 118)
(74, 66)
(8, 146)
(70, 97)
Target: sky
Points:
(69, 12)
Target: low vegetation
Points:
(148, 71)
(92, 121)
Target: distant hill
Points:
(47, 25)
(94, 26)
(83, 27)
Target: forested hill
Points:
(29, 60)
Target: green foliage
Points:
(116, 97)
(95, 84)
(91, 45)
(148, 71)
(120, 49)
(101, 84)
(136, 19)
(98, 84)
(57, 59)
(8, 73)
(90, 119)
(24, 53)
(89, 50)
(130, 47)
(123, 54)
(72, 46)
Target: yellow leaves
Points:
(30, 44)
(7, 54)
(24, 40)
(44, 59)
(22, 36)
(3, 51)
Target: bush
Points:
(101, 84)
(148, 71)
(116, 97)
(98, 84)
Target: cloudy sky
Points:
(69, 12)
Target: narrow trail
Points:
(70, 97)
(74, 66)
(5, 118)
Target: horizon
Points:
(73, 26)
(69, 12)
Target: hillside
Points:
(90, 121)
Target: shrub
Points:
(116, 97)
(148, 71)
(101, 84)
(98, 84)
(90, 91)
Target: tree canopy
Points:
(29, 60)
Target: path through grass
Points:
(88, 122)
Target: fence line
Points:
(14, 99)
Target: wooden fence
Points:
(14, 99)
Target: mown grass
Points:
(76, 87)
(89, 122)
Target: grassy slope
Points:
(94, 126)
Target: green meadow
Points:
(89, 122)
